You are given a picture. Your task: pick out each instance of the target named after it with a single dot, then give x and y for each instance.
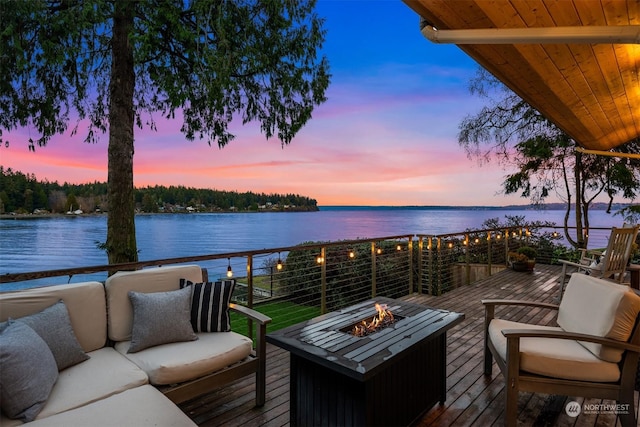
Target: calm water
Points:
(65, 242)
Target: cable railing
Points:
(295, 283)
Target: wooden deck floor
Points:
(472, 398)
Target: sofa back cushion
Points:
(598, 307)
(159, 279)
(84, 301)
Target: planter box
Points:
(476, 272)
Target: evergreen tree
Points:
(115, 62)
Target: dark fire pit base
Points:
(388, 378)
(396, 396)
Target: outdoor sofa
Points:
(121, 353)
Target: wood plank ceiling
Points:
(591, 91)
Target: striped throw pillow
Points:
(210, 305)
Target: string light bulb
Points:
(352, 254)
(319, 259)
(229, 270)
(279, 263)
(399, 247)
(379, 251)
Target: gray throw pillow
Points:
(28, 371)
(160, 318)
(54, 327)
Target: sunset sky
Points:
(386, 136)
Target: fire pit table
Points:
(388, 377)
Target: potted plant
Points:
(523, 259)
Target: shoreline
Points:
(97, 214)
(547, 207)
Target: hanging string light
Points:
(229, 270)
(352, 254)
(279, 263)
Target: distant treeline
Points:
(23, 193)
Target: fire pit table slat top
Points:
(323, 339)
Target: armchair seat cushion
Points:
(555, 358)
(178, 362)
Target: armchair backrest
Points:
(618, 251)
(598, 307)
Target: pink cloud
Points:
(378, 142)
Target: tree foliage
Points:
(23, 193)
(545, 159)
(120, 64)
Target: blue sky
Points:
(386, 136)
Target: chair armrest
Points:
(250, 313)
(260, 347)
(494, 302)
(544, 333)
(574, 264)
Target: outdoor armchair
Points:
(593, 352)
(610, 264)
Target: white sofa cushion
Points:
(184, 361)
(85, 302)
(553, 357)
(598, 307)
(104, 374)
(160, 279)
(138, 407)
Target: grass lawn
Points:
(282, 313)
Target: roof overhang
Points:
(575, 61)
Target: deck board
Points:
(472, 398)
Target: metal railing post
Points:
(323, 281)
(438, 289)
(489, 257)
(373, 269)
(467, 261)
(410, 250)
(420, 248)
(506, 247)
(250, 291)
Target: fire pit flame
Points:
(382, 319)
